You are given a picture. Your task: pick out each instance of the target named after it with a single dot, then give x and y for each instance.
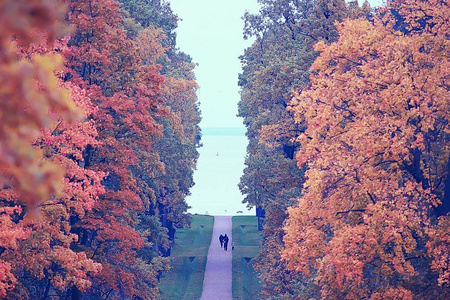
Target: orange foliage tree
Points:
(79, 147)
(373, 218)
(137, 120)
(32, 100)
(105, 63)
(47, 255)
(29, 91)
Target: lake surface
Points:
(219, 168)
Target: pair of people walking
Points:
(223, 239)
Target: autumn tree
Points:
(45, 262)
(156, 13)
(372, 221)
(178, 151)
(34, 103)
(99, 228)
(29, 90)
(121, 62)
(276, 63)
(177, 148)
(104, 62)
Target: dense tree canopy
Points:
(368, 128)
(277, 63)
(372, 221)
(347, 114)
(29, 91)
(99, 137)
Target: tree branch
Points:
(350, 210)
(371, 198)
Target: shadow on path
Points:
(217, 281)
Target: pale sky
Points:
(211, 33)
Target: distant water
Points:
(219, 168)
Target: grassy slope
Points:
(247, 241)
(188, 256)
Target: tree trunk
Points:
(47, 289)
(444, 208)
(76, 294)
(261, 214)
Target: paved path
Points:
(217, 282)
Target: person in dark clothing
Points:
(225, 242)
(221, 240)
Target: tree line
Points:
(347, 114)
(99, 141)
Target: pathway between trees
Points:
(217, 282)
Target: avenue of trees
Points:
(347, 112)
(98, 143)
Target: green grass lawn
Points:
(247, 241)
(188, 260)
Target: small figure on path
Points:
(232, 245)
(225, 242)
(221, 240)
